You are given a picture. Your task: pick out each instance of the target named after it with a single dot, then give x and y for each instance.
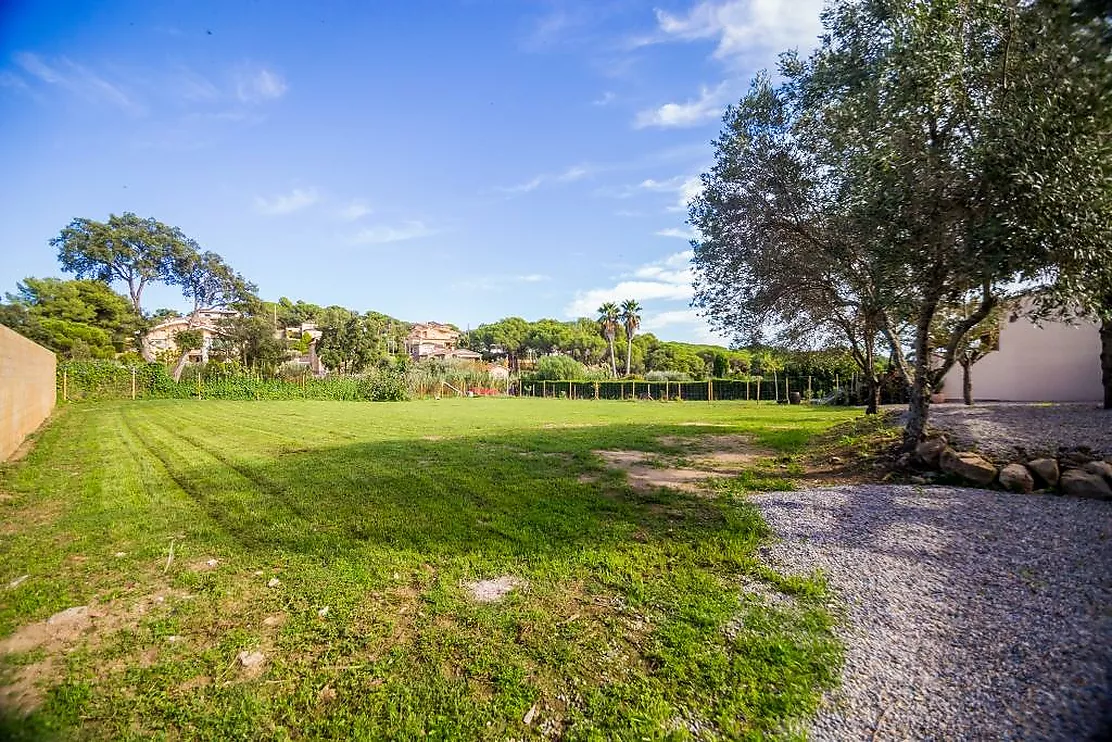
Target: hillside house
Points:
(160, 338)
(432, 340)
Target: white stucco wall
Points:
(1056, 362)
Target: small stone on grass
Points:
(492, 591)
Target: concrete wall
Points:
(1053, 363)
(27, 388)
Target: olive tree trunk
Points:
(1106, 361)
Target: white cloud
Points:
(686, 188)
(79, 80)
(384, 233)
(606, 99)
(355, 210)
(669, 279)
(257, 84)
(696, 327)
(573, 173)
(708, 106)
(287, 203)
(745, 27)
(683, 234)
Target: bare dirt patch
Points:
(642, 475)
(492, 591)
(727, 453)
(23, 691)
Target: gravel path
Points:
(970, 614)
(998, 429)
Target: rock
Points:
(967, 465)
(1045, 469)
(930, 450)
(1016, 478)
(1081, 483)
(273, 582)
(1103, 468)
(904, 460)
(17, 582)
(323, 612)
(917, 480)
(250, 660)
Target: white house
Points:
(1052, 362)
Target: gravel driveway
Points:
(998, 429)
(970, 614)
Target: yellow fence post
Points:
(596, 391)
(133, 382)
(710, 390)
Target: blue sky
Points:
(454, 161)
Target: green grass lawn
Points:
(633, 618)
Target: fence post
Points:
(544, 389)
(710, 390)
(569, 391)
(666, 397)
(633, 390)
(133, 382)
(596, 391)
(65, 385)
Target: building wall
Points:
(1053, 363)
(27, 388)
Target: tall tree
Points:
(631, 320)
(959, 145)
(126, 248)
(608, 318)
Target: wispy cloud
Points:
(354, 210)
(707, 107)
(257, 84)
(743, 28)
(573, 173)
(79, 80)
(12, 80)
(668, 279)
(287, 203)
(683, 234)
(383, 233)
(688, 319)
(604, 100)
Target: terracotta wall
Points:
(27, 388)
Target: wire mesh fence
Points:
(786, 390)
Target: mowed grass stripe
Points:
(620, 627)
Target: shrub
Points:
(558, 368)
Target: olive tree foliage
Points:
(779, 261)
(926, 151)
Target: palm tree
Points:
(608, 317)
(631, 318)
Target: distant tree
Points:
(631, 320)
(210, 283)
(250, 337)
(608, 318)
(351, 345)
(126, 248)
(82, 317)
(981, 340)
(558, 368)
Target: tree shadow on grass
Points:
(520, 495)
